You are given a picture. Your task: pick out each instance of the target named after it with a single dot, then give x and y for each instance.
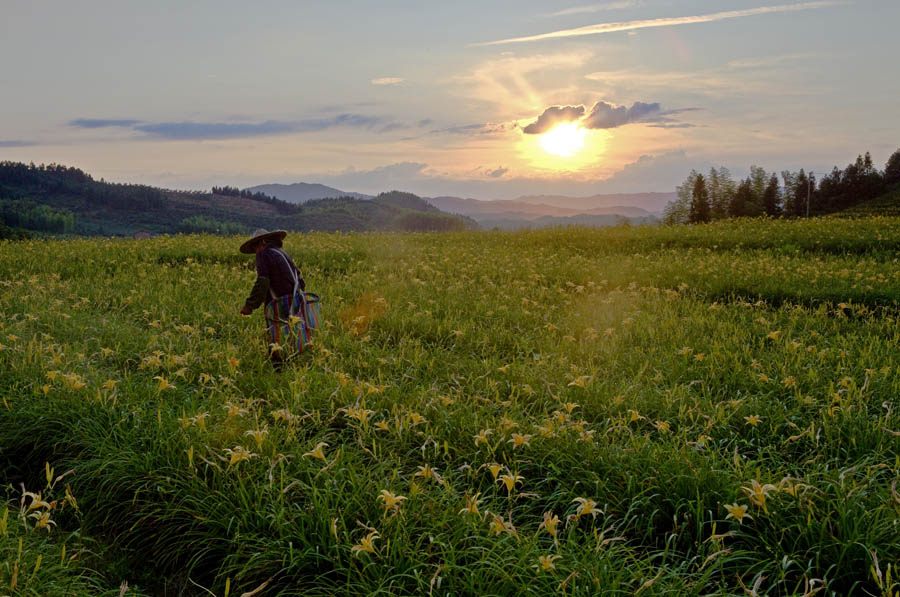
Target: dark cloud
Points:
(679, 111)
(672, 125)
(553, 116)
(606, 116)
(489, 128)
(96, 123)
(16, 143)
(187, 130)
(215, 130)
(497, 173)
(349, 120)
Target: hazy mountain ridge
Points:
(557, 210)
(56, 199)
(652, 202)
(301, 192)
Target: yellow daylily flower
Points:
(550, 523)
(758, 493)
(472, 503)
(238, 455)
(318, 451)
(426, 472)
(580, 381)
(482, 436)
(258, 435)
(498, 525)
(163, 383)
(737, 512)
(518, 440)
(391, 500)
(586, 506)
(43, 520)
(495, 469)
(366, 544)
(510, 480)
(545, 563)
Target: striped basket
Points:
(291, 321)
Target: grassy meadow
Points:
(656, 411)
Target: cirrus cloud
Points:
(388, 81)
(665, 22)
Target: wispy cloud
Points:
(215, 130)
(592, 8)
(198, 131)
(518, 84)
(96, 123)
(388, 81)
(666, 22)
(16, 143)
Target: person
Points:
(279, 287)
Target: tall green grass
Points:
(659, 372)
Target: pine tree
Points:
(699, 202)
(801, 192)
(742, 199)
(758, 182)
(678, 211)
(721, 189)
(772, 197)
(892, 168)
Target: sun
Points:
(564, 140)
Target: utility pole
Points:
(808, 192)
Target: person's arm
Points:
(258, 294)
(260, 288)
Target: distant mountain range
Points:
(527, 211)
(301, 192)
(555, 210)
(57, 199)
(652, 202)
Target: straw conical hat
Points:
(262, 234)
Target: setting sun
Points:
(565, 140)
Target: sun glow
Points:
(564, 140)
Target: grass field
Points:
(680, 411)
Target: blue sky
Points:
(435, 98)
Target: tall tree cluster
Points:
(796, 194)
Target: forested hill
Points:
(55, 199)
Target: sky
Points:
(488, 99)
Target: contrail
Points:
(665, 22)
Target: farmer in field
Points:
(279, 288)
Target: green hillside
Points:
(54, 199)
(887, 204)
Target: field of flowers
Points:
(682, 411)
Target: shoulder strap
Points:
(290, 267)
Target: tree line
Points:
(282, 206)
(35, 216)
(795, 194)
(23, 181)
(201, 224)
